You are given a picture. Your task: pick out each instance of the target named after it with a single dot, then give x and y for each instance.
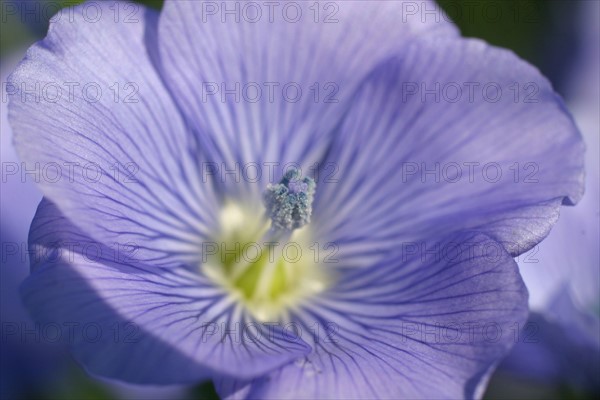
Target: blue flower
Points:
(385, 168)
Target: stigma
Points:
(289, 203)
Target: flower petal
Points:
(563, 348)
(141, 324)
(409, 328)
(267, 83)
(416, 158)
(92, 117)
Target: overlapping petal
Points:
(93, 118)
(421, 155)
(416, 326)
(141, 324)
(266, 83)
(560, 347)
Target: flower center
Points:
(263, 254)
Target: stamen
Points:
(289, 203)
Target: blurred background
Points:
(557, 355)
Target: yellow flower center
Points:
(269, 279)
